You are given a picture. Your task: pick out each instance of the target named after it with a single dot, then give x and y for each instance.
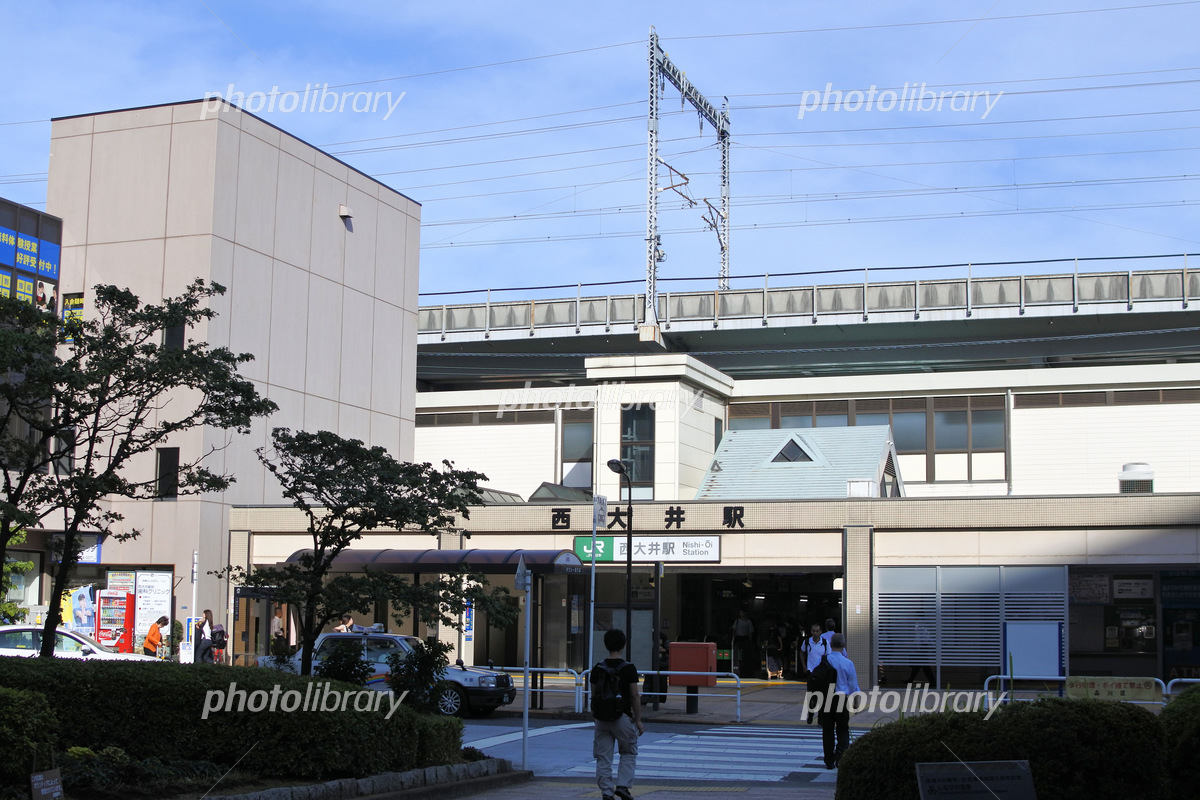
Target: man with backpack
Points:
(815, 647)
(618, 713)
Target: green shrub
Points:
(418, 674)
(112, 771)
(153, 710)
(345, 664)
(27, 726)
(1181, 726)
(1077, 750)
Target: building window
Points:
(577, 448)
(167, 487)
(966, 436)
(173, 337)
(792, 452)
(637, 450)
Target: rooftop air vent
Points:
(1136, 478)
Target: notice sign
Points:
(649, 549)
(1002, 780)
(45, 785)
(1106, 688)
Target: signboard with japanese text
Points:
(1107, 688)
(994, 780)
(648, 549)
(8, 246)
(668, 517)
(1133, 588)
(153, 601)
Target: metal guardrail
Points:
(1108, 290)
(1171, 691)
(584, 688)
(1059, 679)
(515, 672)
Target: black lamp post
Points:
(618, 466)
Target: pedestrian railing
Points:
(584, 691)
(518, 672)
(1179, 681)
(1062, 681)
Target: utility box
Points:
(693, 657)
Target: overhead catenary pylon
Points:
(662, 70)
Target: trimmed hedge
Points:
(1181, 724)
(153, 710)
(26, 725)
(1077, 750)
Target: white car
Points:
(26, 641)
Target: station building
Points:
(1040, 426)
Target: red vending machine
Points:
(114, 619)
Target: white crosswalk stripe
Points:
(732, 753)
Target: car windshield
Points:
(90, 642)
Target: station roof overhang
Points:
(492, 562)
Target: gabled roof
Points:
(745, 465)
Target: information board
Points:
(974, 780)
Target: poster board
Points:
(153, 600)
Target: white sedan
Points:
(26, 640)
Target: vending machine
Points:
(114, 619)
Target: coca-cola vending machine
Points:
(114, 619)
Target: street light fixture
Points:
(618, 466)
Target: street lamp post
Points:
(618, 466)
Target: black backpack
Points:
(219, 639)
(823, 676)
(606, 691)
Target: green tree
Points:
(344, 488)
(30, 441)
(120, 390)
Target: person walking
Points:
(811, 651)
(204, 632)
(154, 637)
(618, 713)
(834, 715)
(743, 637)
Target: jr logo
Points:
(583, 548)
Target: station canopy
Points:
(496, 562)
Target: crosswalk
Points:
(733, 753)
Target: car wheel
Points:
(452, 702)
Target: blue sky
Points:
(532, 172)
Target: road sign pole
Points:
(523, 585)
(599, 517)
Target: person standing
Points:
(743, 637)
(834, 715)
(811, 651)
(204, 645)
(154, 637)
(347, 625)
(278, 633)
(625, 726)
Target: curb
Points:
(452, 780)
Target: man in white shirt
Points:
(813, 648)
(836, 721)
